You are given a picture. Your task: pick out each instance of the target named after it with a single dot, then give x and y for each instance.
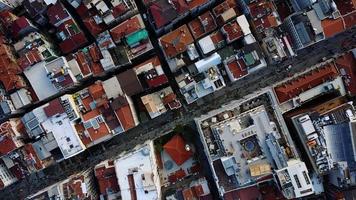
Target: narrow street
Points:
(164, 123)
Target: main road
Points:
(163, 124)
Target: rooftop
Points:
(232, 31)
(347, 67)
(126, 28)
(138, 176)
(106, 177)
(202, 25)
(41, 84)
(162, 12)
(176, 42)
(292, 88)
(129, 82)
(176, 149)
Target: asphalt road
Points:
(163, 124)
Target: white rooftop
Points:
(112, 88)
(65, 134)
(37, 76)
(141, 165)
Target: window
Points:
(297, 181)
(99, 119)
(306, 177)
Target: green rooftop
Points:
(249, 59)
(136, 37)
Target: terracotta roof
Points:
(82, 62)
(223, 7)
(54, 107)
(31, 153)
(7, 18)
(332, 27)
(347, 62)
(157, 81)
(7, 143)
(181, 6)
(107, 179)
(202, 25)
(125, 116)
(74, 188)
(198, 190)
(188, 194)
(176, 42)
(127, 27)
(29, 58)
(350, 19)
(175, 148)
(119, 10)
(93, 27)
(9, 69)
(56, 13)
(19, 24)
(237, 68)
(162, 12)
(195, 3)
(232, 31)
(91, 114)
(243, 194)
(129, 82)
(96, 90)
(294, 87)
(345, 6)
(72, 43)
(169, 98)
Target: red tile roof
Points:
(7, 18)
(345, 6)
(93, 27)
(347, 63)
(175, 148)
(294, 87)
(73, 42)
(54, 107)
(188, 194)
(350, 19)
(237, 68)
(107, 179)
(157, 81)
(261, 13)
(195, 3)
(74, 188)
(9, 69)
(96, 90)
(198, 190)
(232, 31)
(332, 27)
(19, 24)
(7, 143)
(175, 42)
(248, 193)
(82, 62)
(129, 26)
(162, 12)
(119, 10)
(56, 13)
(32, 156)
(223, 7)
(125, 116)
(91, 115)
(30, 58)
(202, 25)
